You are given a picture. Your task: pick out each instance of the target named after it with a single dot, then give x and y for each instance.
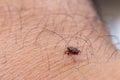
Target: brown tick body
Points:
(72, 51)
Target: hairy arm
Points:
(34, 35)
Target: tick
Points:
(72, 51)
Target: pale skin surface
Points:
(33, 36)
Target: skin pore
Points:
(34, 35)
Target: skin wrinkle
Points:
(26, 60)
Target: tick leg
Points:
(68, 53)
(65, 52)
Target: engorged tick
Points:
(72, 51)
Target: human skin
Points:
(34, 35)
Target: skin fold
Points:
(34, 35)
